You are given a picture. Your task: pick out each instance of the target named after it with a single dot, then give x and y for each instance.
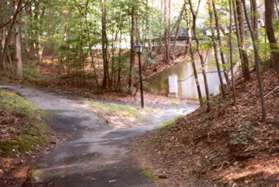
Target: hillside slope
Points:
(228, 144)
(23, 136)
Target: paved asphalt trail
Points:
(96, 154)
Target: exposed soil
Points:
(229, 144)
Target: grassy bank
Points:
(22, 128)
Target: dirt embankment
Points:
(23, 136)
(230, 144)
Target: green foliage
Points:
(32, 74)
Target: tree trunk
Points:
(119, 65)
(167, 31)
(194, 17)
(190, 48)
(254, 17)
(257, 61)
(244, 55)
(17, 8)
(194, 68)
(231, 52)
(219, 39)
(269, 13)
(132, 50)
(215, 48)
(113, 49)
(105, 46)
(276, 8)
(3, 46)
(177, 27)
(19, 65)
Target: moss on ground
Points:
(149, 174)
(11, 102)
(170, 122)
(34, 133)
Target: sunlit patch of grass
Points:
(121, 110)
(120, 115)
(34, 133)
(148, 173)
(169, 122)
(12, 102)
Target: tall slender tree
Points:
(219, 40)
(19, 65)
(231, 51)
(167, 9)
(192, 56)
(195, 36)
(105, 45)
(257, 61)
(132, 44)
(269, 18)
(215, 48)
(239, 21)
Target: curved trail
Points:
(96, 154)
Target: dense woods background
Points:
(91, 47)
(92, 43)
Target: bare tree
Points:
(215, 48)
(132, 44)
(105, 45)
(269, 14)
(257, 61)
(19, 65)
(167, 9)
(239, 21)
(219, 40)
(194, 18)
(190, 48)
(231, 52)
(254, 16)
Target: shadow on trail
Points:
(94, 154)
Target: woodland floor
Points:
(230, 144)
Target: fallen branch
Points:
(272, 91)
